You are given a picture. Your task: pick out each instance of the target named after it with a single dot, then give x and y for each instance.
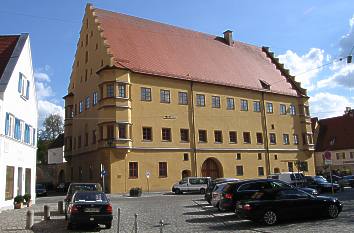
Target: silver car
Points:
(216, 195)
(191, 184)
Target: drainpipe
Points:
(193, 146)
(265, 132)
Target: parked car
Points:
(296, 179)
(216, 194)
(321, 184)
(350, 180)
(63, 187)
(311, 191)
(41, 190)
(245, 189)
(73, 187)
(270, 206)
(211, 186)
(89, 207)
(191, 184)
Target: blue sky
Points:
(305, 34)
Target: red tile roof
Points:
(7, 45)
(150, 47)
(336, 133)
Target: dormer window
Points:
(23, 86)
(265, 85)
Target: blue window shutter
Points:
(7, 124)
(20, 83)
(27, 90)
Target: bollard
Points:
(161, 225)
(29, 219)
(118, 220)
(136, 223)
(60, 207)
(46, 212)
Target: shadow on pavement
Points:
(52, 213)
(59, 226)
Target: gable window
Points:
(145, 94)
(218, 136)
(166, 134)
(282, 109)
(246, 137)
(162, 169)
(200, 100)
(110, 90)
(269, 108)
(256, 106)
(202, 135)
(23, 86)
(259, 138)
(215, 101)
(244, 105)
(147, 134)
(165, 96)
(182, 98)
(230, 103)
(233, 137)
(87, 102)
(122, 92)
(272, 138)
(184, 135)
(292, 110)
(286, 139)
(133, 170)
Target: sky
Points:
(308, 36)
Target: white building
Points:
(56, 151)
(18, 120)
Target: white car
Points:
(296, 179)
(216, 195)
(191, 184)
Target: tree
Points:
(52, 127)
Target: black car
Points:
(350, 180)
(270, 206)
(41, 190)
(321, 184)
(243, 190)
(211, 186)
(89, 207)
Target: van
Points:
(294, 178)
(191, 184)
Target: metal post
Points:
(136, 223)
(46, 212)
(161, 225)
(118, 220)
(29, 219)
(60, 207)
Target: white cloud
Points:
(45, 108)
(304, 67)
(41, 77)
(324, 105)
(346, 42)
(43, 90)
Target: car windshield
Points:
(84, 187)
(320, 179)
(90, 197)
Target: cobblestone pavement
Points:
(182, 213)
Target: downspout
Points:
(193, 146)
(265, 132)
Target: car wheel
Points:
(108, 225)
(270, 217)
(218, 206)
(202, 191)
(178, 191)
(333, 211)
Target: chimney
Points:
(228, 37)
(347, 110)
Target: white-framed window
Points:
(215, 101)
(200, 100)
(244, 105)
(256, 106)
(286, 139)
(296, 139)
(122, 90)
(230, 103)
(269, 107)
(292, 110)
(282, 109)
(23, 86)
(81, 106)
(182, 98)
(165, 96)
(9, 125)
(94, 98)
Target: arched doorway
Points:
(186, 173)
(212, 167)
(61, 177)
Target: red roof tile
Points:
(336, 133)
(149, 47)
(7, 45)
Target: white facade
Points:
(18, 108)
(56, 155)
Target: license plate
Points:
(92, 219)
(239, 206)
(92, 210)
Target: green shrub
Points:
(27, 197)
(18, 199)
(135, 192)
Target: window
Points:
(93, 136)
(259, 156)
(110, 132)
(218, 136)
(10, 176)
(290, 166)
(215, 101)
(256, 106)
(352, 155)
(122, 92)
(110, 90)
(296, 139)
(94, 98)
(162, 169)
(282, 109)
(182, 98)
(260, 171)
(184, 135)
(239, 170)
(20, 83)
(185, 156)
(286, 139)
(246, 137)
(233, 136)
(87, 102)
(304, 139)
(202, 135)
(34, 138)
(28, 180)
(230, 103)
(259, 138)
(147, 134)
(23, 86)
(145, 94)
(122, 131)
(269, 108)
(81, 107)
(27, 134)
(200, 100)
(17, 134)
(80, 173)
(244, 105)
(164, 96)
(166, 134)
(292, 110)
(340, 155)
(79, 142)
(133, 170)
(238, 156)
(276, 170)
(272, 138)
(275, 157)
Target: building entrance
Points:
(212, 168)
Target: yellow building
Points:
(147, 98)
